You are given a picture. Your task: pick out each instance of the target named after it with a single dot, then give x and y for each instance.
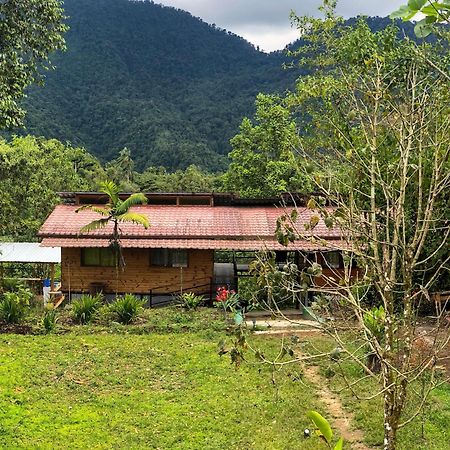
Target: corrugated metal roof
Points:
(200, 244)
(186, 222)
(29, 252)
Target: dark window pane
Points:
(179, 258)
(107, 257)
(101, 257)
(165, 257)
(160, 257)
(333, 259)
(90, 256)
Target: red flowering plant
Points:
(227, 299)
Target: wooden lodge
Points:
(178, 251)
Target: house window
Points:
(332, 259)
(166, 257)
(102, 257)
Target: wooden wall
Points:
(336, 274)
(138, 275)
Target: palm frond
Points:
(97, 209)
(94, 225)
(111, 190)
(129, 216)
(132, 200)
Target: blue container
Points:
(47, 282)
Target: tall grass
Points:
(11, 308)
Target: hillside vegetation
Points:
(168, 86)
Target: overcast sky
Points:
(266, 22)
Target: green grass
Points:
(114, 390)
(160, 383)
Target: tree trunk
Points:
(391, 419)
(390, 434)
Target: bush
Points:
(11, 308)
(189, 300)
(11, 284)
(86, 307)
(49, 320)
(126, 308)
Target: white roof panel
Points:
(28, 252)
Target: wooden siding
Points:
(336, 275)
(138, 275)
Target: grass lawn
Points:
(93, 388)
(161, 384)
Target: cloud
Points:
(268, 38)
(266, 22)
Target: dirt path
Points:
(340, 418)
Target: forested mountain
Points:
(168, 86)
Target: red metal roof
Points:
(231, 227)
(199, 244)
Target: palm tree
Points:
(115, 211)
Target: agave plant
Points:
(127, 308)
(86, 307)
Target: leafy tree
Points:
(115, 212)
(155, 179)
(32, 172)
(264, 159)
(192, 179)
(120, 170)
(29, 31)
(382, 114)
(434, 12)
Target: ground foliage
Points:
(104, 387)
(160, 383)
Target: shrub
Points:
(49, 320)
(189, 300)
(11, 308)
(86, 307)
(11, 284)
(126, 308)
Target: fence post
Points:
(211, 290)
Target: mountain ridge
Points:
(155, 79)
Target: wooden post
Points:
(297, 262)
(52, 277)
(211, 290)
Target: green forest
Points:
(166, 85)
(157, 80)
